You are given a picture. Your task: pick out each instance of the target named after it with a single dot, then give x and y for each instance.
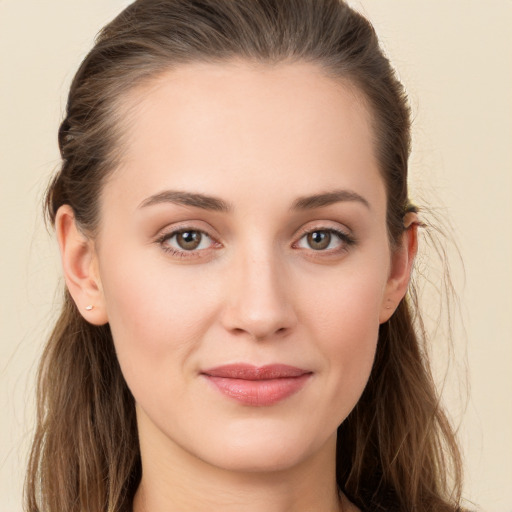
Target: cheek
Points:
(345, 322)
(153, 315)
(353, 338)
(346, 306)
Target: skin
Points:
(255, 290)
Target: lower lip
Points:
(259, 393)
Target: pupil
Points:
(189, 240)
(319, 240)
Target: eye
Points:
(185, 241)
(319, 240)
(324, 240)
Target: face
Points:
(243, 261)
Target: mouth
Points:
(257, 386)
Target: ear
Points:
(402, 260)
(80, 266)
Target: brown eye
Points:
(187, 243)
(319, 240)
(189, 240)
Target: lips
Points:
(257, 385)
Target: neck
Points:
(176, 480)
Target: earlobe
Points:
(401, 267)
(79, 263)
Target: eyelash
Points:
(176, 252)
(345, 239)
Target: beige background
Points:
(455, 58)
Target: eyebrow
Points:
(328, 198)
(188, 199)
(211, 203)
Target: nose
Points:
(258, 301)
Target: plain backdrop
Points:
(455, 59)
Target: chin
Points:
(267, 452)
(256, 461)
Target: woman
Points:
(237, 242)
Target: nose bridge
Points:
(259, 299)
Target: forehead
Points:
(204, 126)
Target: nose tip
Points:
(259, 303)
(259, 328)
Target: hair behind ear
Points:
(86, 433)
(379, 464)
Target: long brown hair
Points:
(396, 450)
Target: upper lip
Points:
(250, 372)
